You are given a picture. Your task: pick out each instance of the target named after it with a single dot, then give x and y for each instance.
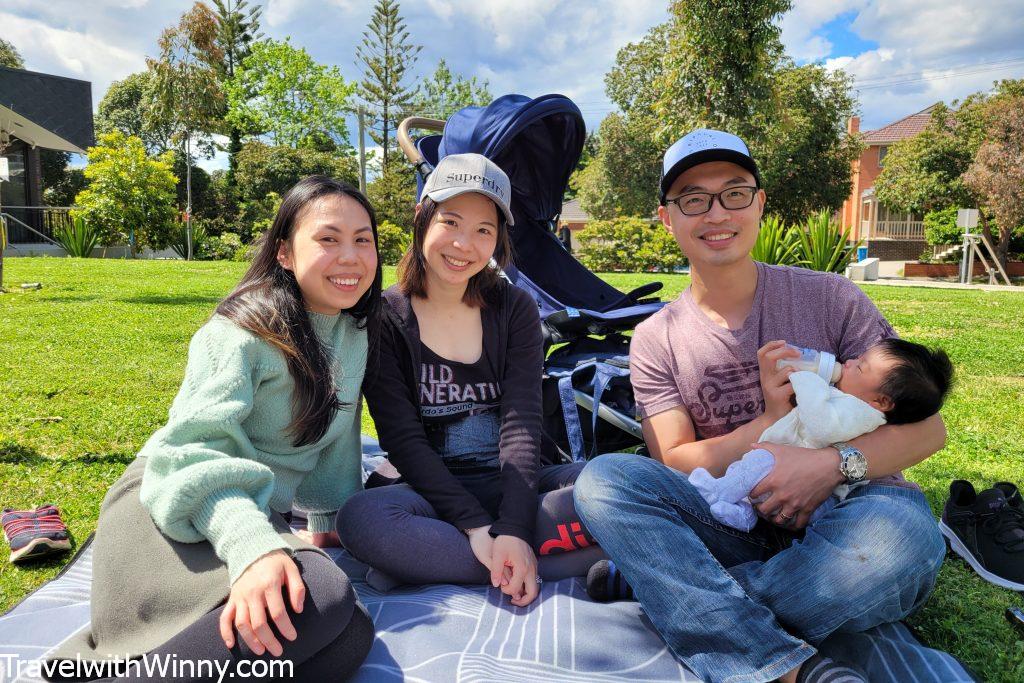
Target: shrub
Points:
(77, 236)
(940, 227)
(392, 242)
(179, 239)
(777, 243)
(223, 247)
(629, 244)
(130, 196)
(256, 216)
(824, 244)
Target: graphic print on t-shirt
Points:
(729, 395)
(449, 390)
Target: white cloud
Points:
(70, 53)
(537, 46)
(277, 12)
(930, 50)
(807, 16)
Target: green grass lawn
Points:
(90, 364)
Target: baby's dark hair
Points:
(918, 383)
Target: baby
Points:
(894, 381)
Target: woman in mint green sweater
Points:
(193, 556)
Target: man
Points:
(737, 606)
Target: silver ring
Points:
(784, 515)
(540, 580)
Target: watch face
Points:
(856, 466)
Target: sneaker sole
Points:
(39, 547)
(960, 549)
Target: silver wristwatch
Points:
(852, 463)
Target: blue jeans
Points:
(736, 606)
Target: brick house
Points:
(888, 234)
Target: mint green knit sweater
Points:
(225, 457)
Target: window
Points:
(882, 151)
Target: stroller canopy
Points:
(538, 143)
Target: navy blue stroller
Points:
(538, 143)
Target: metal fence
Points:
(34, 224)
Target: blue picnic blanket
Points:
(471, 633)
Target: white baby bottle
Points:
(821, 363)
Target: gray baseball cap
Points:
(460, 173)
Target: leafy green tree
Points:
(60, 183)
(386, 55)
(393, 195)
(928, 172)
(444, 93)
(130, 196)
(630, 244)
(721, 65)
(940, 227)
(923, 173)
(392, 242)
(638, 66)
(630, 141)
(803, 153)
(719, 69)
(9, 55)
(200, 185)
(623, 178)
(280, 91)
(265, 169)
(997, 173)
(125, 107)
(238, 27)
(591, 147)
(186, 94)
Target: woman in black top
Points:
(455, 393)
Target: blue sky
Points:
(904, 54)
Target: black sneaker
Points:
(1011, 493)
(987, 530)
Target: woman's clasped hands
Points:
(511, 562)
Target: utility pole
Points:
(362, 149)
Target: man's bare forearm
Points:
(893, 448)
(717, 453)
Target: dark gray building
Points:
(37, 111)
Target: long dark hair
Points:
(268, 303)
(412, 269)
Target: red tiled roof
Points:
(906, 127)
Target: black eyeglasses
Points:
(696, 203)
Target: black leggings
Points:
(334, 634)
(395, 530)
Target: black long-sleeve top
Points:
(512, 334)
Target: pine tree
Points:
(386, 55)
(238, 26)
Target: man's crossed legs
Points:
(737, 606)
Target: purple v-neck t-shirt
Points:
(679, 356)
